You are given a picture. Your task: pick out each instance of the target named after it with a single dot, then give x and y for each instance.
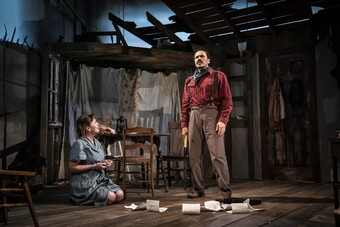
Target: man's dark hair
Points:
(208, 55)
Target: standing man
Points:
(206, 106)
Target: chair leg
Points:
(30, 202)
(152, 181)
(169, 172)
(160, 170)
(164, 177)
(157, 171)
(124, 181)
(4, 212)
(117, 170)
(4, 201)
(148, 185)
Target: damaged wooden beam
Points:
(171, 35)
(266, 16)
(227, 20)
(120, 36)
(131, 27)
(190, 23)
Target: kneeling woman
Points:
(88, 182)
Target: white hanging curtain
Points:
(89, 90)
(109, 93)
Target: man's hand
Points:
(184, 131)
(220, 128)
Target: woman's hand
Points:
(101, 165)
(108, 162)
(77, 168)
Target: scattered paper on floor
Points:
(212, 205)
(133, 206)
(150, 205)
(153, 205)
(188, 208)
(239, 208)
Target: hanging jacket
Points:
(276, 110)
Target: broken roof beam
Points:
(227, 20)
(120, 36)
(190, 23)
(171, 35)
(131, 27)
(266, 16)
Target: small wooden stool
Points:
(22, 187)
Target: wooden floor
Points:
(285, 204)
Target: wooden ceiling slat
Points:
(243, 12)
(206, 17)
(213, 25)
(196, 8)
(218, 31)
(268, 19)
(190, 23)
(253, 33)
(252, 24)
(172, 36)
(192, 2)
(284, 9)
(151, 29)
(326, 3)
(248, 18)
(288, 18)
(225, 38)
(184, 5)
(226, 19)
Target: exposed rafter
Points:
(171, 35)
(190, 23)
(120, 36)
(226, 19)
(131, 27)
(266, 16)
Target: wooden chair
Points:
(138, 164)
(335, 152)
(154, 119)
(177, 162)
(10, 187)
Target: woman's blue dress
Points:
(90, 187)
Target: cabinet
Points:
(239, 130)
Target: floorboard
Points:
(284, 204)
